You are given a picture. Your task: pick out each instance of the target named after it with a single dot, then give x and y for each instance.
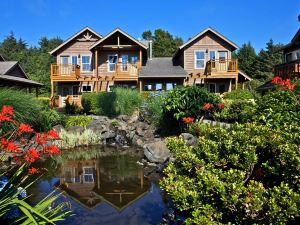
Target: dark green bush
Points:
(49, 118)
(245, 175)
(187, 101)
(152, 109)
(72, 108)
(239, 94)
(119, 101)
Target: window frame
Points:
(227, 54)
(86, 85)
(196, 60)
(108, 63)
(90, 63)
(64, 56)
(89, 174)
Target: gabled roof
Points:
(122, 32)
(244, 75)
(297, 35)
(2, 58)
(7, 66)
(74, 36)
(20, 80)
(214, 32)
(162, 67)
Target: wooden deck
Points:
(220, 67)
(288, 70)
(69, 72)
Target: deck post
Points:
(230, 85)
(236, 82)
(141, 85)
(141, 58)
(52, 89)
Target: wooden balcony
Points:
(219, 67)
(288, 70)
(126, 71)
(65, 72)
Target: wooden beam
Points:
(141, 58)
(52, 89)
(141, 85)
(230, 85)
(236, 82)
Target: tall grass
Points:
(119, 101)
(26, 107)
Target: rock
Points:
(157, 152)
(108, 135)
(58, 128)
(120, 139)
(142, 125)
(189, 138)
(124, 118)
(139, 131)
(75, 130)
(100, 125)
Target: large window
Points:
(74, 60)
(223, 55)
(124, 59)
(112, 61)
(64, 60)
(88, 176)
(86, 63)
(199, 59)
(134, 59)
(212, 55)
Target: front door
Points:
(65, 92)
(223, 62)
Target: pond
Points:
(104, 186)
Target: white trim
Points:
(62, 56)
(81, 64)
(122, 32)
(83, 174)
(74, 36)
(214, 32)
(218, 51)
(86, 85)
(209, 51)
(108, 63)
(195, 59)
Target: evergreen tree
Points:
(247, 59)
(164, 44)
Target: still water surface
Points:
(103, 188)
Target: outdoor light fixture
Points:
(79, 56)
(207, 50)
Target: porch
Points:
(288, 70)
(58, 101)
(222, 67)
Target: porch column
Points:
(243, 86)
(96, 65)
(141, 58)
(52, 89)
(141, 85)
(230, 85)
(236, 82)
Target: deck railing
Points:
(222, 66)
(288, 70)
(65, 71)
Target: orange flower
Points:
(41, 138)
(31, 155)
(53, 134)
(24, 128)
(188, 120)
(208, 106)
(33, 170)
(10, 146)
(7, 110)
(52, 149)
(221, 105)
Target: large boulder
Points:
(58, 128)
(75, 130)
(157, 152)
(99, 125)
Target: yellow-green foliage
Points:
(72, 140)
(81, 121)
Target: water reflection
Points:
(103, 188)
(115, 179)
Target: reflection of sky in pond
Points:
(143, 203)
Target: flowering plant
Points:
(16, 142)
(285, 83)
(188, 120)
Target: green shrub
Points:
(152, 109)
(239, 94)
(119, 101)
(50, 118)
(187, 101)
(245, 175)
(72, 108)
(81, 121)
(45, 101)
(26, 106)
(236, 111)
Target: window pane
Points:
(124, 59)
(199, 55)
(86, 59)
(212, 55)
(74, 60)
(158, 87)
(133, 59)
(223, 55)
(200, 63)
(64, 60)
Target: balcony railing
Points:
(65, 71)
(288, 70)
(222, 66)
(126, 70)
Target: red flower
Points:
(52, 149)
(10, 146)
(188, 120)
(33, 170)
(284, 83)
(31, 155)
(41, 138)
(208, 106)
(221, 105)
(24, 128)
(53, 134)
(6, 118)
(277, 80)
(7, 110)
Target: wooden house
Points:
(90, 62)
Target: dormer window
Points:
(199, 59)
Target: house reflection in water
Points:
(116, 180)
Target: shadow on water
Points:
(104, 187)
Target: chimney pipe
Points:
(150, 49)
(299, 18)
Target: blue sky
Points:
(239, 20)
